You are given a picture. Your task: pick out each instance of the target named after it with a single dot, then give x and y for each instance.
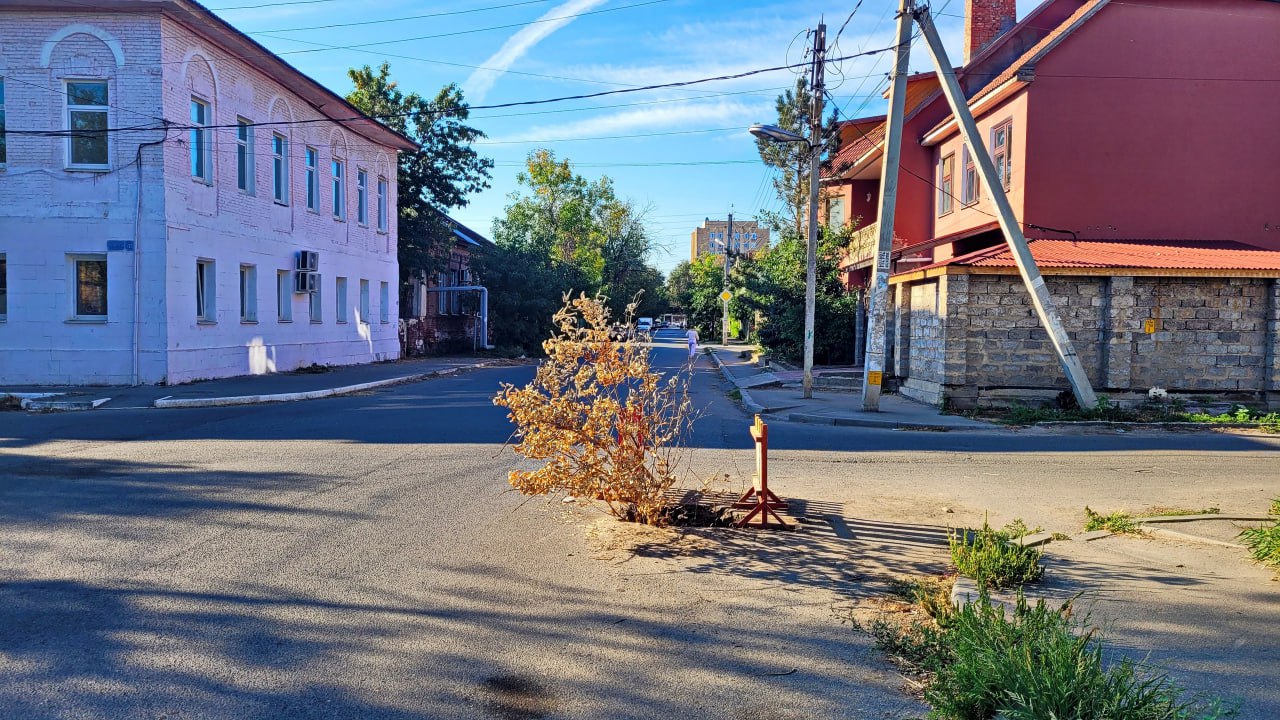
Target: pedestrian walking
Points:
(692, 335)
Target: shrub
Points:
(1031, 665)
(1264, 541)
(991, 558)
(1117, 522)
(606, 424)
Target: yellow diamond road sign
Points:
(726, 296)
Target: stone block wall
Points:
(1211, 335)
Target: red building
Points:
(1111, 120)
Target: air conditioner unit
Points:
(305, 282)
(308, 261)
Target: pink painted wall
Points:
(963, 218)
(1116, 154)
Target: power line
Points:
(609, 137)
(396, 19)
(451, 111)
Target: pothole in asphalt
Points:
(517, 697)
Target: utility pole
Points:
(724, 315)
(878, 294)
(1040, 297)
(815, 152)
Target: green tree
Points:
(795, 113)
(772, 285)
(563, 232)
(704, 308)
(433, 180)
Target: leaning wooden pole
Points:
(1040, 296)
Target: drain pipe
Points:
(484, 307)
(137, 262)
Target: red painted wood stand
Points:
(760, 499)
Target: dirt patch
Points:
(9, 402)
(517, 697)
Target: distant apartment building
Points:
(714, 236)
(177, 203)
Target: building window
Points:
(946, 183)
(279, 169)
(340, 290)
(284, 297)
(201, 142)
(4, 157)
(835, 214)
(87, 102)
(313, 180)
(969, 191)
(90, 287)
(206, 292)
(362, 197)
(244, 155)
(384, 302)
(248, 293)
(339, 191)
(314, 306)
(382, 204)
(1001, 152)
(364, 301)
(4, 288)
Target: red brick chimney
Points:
(984, 21)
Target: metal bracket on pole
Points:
(878, 296)
(1040, 297)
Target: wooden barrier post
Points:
(759, 498)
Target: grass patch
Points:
(1034, 663)
(10, 402)
(1106, 411)
(993, 559)
(1264, 541)
(1126, 523)
(735, 395)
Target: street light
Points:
(773, 133)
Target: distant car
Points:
(644, 325)
(618, 333)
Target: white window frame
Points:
(73, 261)
(383, 189)
(970, 190)
(1002, 155)
(279, 169)
(206, 291)
(946, 185)
(284, 296)
(104, 110)
(365, 309)
(315, 303)
(362, 197)
(338, 169)
(340, 293)
(246, 164)
(201, 139)
(384, 302)
(311, 160)
(249, 294)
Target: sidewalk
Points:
(779, 395)
(244, 390)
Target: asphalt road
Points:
(362, 557)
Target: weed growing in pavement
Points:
(1030, 662)
(1264, 541)
(993, 559)
(1119, 522)
(1105, 410)
(604, 423)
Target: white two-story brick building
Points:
(177, 203)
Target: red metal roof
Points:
(1145, 254)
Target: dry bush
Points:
(606, 424)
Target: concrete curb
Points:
(310, 395)
(1122, 425)
(748, 402)
(40, 406)
(843, 421)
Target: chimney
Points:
(984, 21)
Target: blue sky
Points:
(658, 42)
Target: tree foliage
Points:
(795, 113)
(562, 233)
(772, 285)
(436, 178)
(606, 425)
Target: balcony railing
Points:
(862, 244)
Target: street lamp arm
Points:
(774, 133)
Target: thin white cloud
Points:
(481, 81)
(675, 116)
